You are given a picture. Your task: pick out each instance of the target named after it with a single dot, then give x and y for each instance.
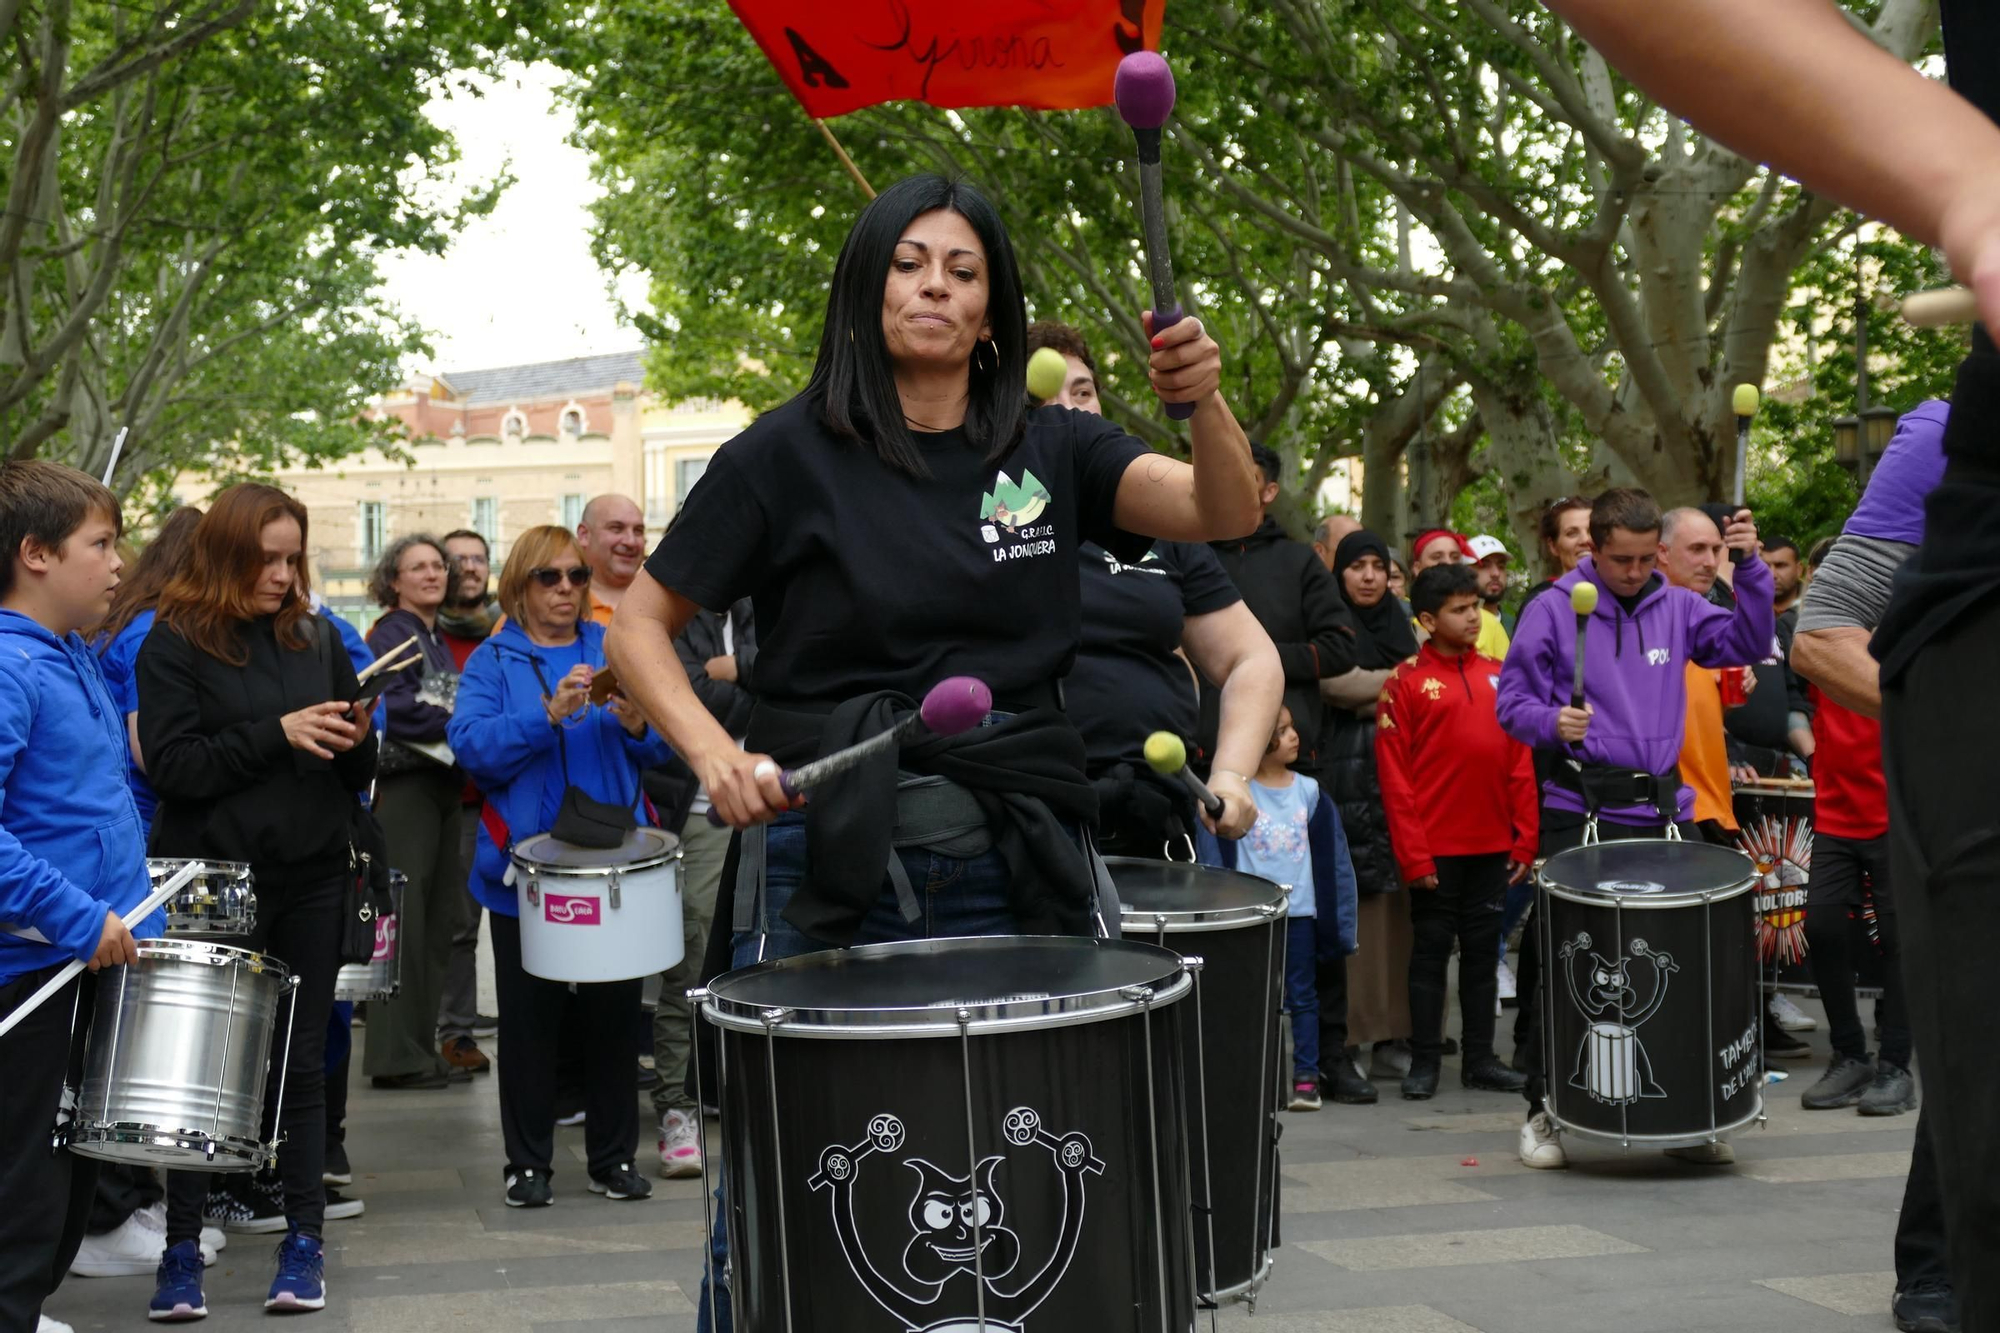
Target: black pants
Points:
(1938, 723)
(1330, 980)
(1562, 830)
(298, 922)
(1465, 906)
(45, 1191)
(1840, 867)
(1920, 1235)
(531, 1040)
(122, 1190)
(420, 817)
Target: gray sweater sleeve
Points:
(1850, 589)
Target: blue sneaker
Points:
(301, 1280)
(177, 1295)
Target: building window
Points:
(486, 518)
(514, 425)
(572, 511)
(687, 471)
(374, 531)
(572, 421)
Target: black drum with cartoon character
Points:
(1651, 1034)
(957, 1134)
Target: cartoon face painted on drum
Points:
(960, 1230)
(1611, 1062)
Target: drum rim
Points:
(1001, 1015)
(1200, 918)
(205, 951)
(541, 869)
(1688, 1140)
(1595, 897)
(141, 1133)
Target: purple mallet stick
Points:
(953, 705)
(1144, 91)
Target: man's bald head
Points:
(1326, 538)
(1690, 549)
(611, 536)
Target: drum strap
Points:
(750, 881)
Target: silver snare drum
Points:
(179, 1050)
(219, 900)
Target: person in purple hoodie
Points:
(1617, 758)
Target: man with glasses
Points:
(464, 622)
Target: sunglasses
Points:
(579, 576)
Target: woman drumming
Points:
(1375, 1001)
(243, 703)
(904, 519)
(525, 730)
(1131, 679)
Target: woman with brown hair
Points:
(244, 698)
(417, 800)
(526, 729)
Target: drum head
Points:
(917, 988)
(1647, 872)
(1191, 896)
(643, 847)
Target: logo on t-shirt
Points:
(1012, 507)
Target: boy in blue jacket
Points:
(72, 859)
(1297, 843)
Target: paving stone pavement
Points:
(1403, 1217)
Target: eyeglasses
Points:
(579, 576)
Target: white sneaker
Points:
(680, 1145)
(1706, 1154)
(132, 1249)
(1789, 1016)
(1541, 1145)
(49, 1325)
(1505, 975)
(214, 1240)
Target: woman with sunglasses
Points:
(526, 730)
(416, 799)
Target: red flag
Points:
(841, 55)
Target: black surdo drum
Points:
(1650, 1012)
(961, 1134)
(1235, 924)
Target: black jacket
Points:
(1348, 772)
(673, 785)
(1299, 605)
(230, 786)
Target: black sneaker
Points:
(529, 1188)
(1892, 1093)
(223, 1208)
(1782, 1045)
(485, 1025)
(1344, 1084)
(1421, 1083)
(336, 1171)
(1487, 1073)
(263, 1198)
(622, 1182)
(1841, 1085)
(1926, 1307)
(339, 1208)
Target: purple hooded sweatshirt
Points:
(1634, 673)
(1892, 508)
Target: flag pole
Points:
(845, 160)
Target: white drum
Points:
(599, 915)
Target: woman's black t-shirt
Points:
(1127, 682)
(866, 578)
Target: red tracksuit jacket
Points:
(1453, 783)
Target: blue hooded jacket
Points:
(501, 735)
(117, 660)
(70, 842)
(1336, 919)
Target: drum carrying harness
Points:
(1610, 784)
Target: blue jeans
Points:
(1519, 898)
(1302, 995)
(955, 897)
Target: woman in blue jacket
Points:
(524, 716)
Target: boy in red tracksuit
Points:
(1460, 796)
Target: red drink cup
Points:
(1733, 695)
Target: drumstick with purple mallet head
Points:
(1144, 92)
(953, 705)
(1166, 754)
(166, 889)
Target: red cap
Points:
(1426, 538)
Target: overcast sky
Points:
(519, 285)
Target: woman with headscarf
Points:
(1371, 1002)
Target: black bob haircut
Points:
(1438, 585)
(853, 384)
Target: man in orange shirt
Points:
(611, 537)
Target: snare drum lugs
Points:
(179, 1050)
(220, 900)
(957, 1131)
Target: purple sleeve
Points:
(1531, 690)
(1719, 637)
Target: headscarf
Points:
(1426, 538)
(1382, 633)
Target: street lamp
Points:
(1847, 442)
(1878, 427)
